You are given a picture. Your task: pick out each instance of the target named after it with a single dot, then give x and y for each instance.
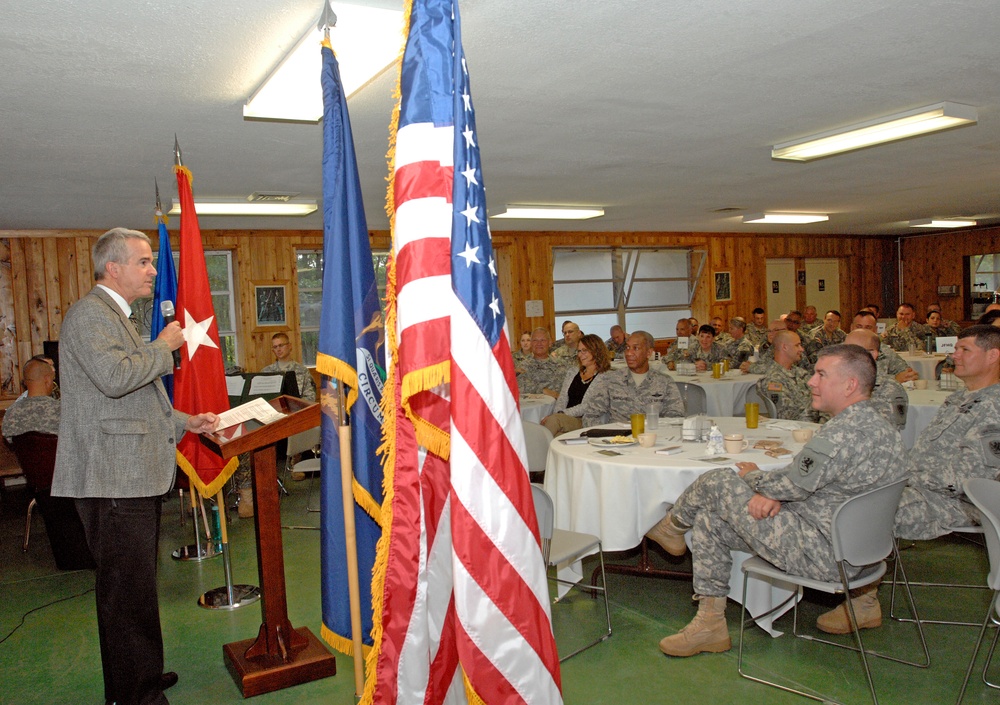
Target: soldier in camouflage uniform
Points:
(282, 350)
(784, 515)
(905, 331)
(810, 321)
(540, 374)
(829, 334)
(618, 341)
(888, 396)
(566, 354)
(889, 362)
(739, 349)
(757, 330)
(963, 441)
(37, 411)
(675, 353)
(786, 384)
(614, 396)
(707, 351)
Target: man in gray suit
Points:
(116, 457)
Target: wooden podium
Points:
(280, 656)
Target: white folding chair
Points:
(767, 407)
(695, 399)
(862, 536)
(985, 494)
(307, 440)
(560, 547)
(537, 439)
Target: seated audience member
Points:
(55, 386)
(616, 395)
(707, 351)
(738, 350)
(717, 324)
(829, 334)
(793, 322)
(593, 359)
(523, 351)
(963, 441)
(940, 328)
(37, 411)
(785, 515)
(905, 331)
(874, 308)
(540, 374)
(562, 341)
(810, 321)
(694, 323)
(889, 362)
(284, 362)
(566, 353)
(675, 353)
(786, 384)
(618, 341)
(765, 353)
(888, 396)
(757, 330)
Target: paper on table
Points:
(266, 384)
(234, 385)
(257, 409)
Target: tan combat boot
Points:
(669, 533)
(867, 610)
(245, 508)
(707, 632)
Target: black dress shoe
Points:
(168, 680)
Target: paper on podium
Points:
(258, 410)
(266, 384)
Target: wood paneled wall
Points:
(52, 269)
(936, 260)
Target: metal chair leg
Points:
(27, 525)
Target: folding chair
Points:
(560, 547)
(767, 407)
(985, 494)
(537, 439)
(695, 399)
(862, 536)
(300, 443)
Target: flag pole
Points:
(350, 539)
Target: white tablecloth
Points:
(535, 407)
(721, 394)
(924, 404)
(619, 498)
(924, 364)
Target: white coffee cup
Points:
(920, 384)
(735, 443)
(802, 435)
(646, 440)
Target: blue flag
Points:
(351, 354)
(165, 289)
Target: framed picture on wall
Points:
(269, 300)
(723, 287)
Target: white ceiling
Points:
(661, 111)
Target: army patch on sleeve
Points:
(807, 468)
(774, 386)
(989, 437)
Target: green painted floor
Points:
(54, 658)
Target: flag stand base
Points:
(196, 552)
(218, 598)
(264, 674)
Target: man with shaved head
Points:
(37, 411)
(889, 362)
(786, 384)
(888, 396)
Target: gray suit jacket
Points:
(118, 431)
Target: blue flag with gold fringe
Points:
(351, 353)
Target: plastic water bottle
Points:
(216, 528)
(715, 443)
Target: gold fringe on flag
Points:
(211, 489)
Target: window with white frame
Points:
(637, 288)
(220, 280)
(309, 265)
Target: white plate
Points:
(607, 443)
(674, 422)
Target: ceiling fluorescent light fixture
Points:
(941, 223)
(550, 212)
(785, 218)
(243, 206)
(933, 118)
(366, 41)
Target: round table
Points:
(618, 498)
(923, 363)
(721, 394)
(924, 404)
(535, 407)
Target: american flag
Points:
(461, 593)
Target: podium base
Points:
(218, 598)
(257, 676)
(190, 552)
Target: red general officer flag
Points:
(200, 383)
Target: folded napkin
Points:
(787, 425)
